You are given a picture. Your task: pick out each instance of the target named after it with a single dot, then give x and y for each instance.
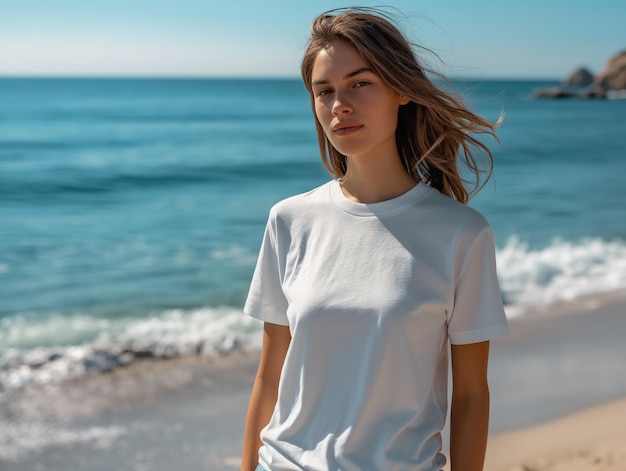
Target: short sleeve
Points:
(477, 314)
(266, 300)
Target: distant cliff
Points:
(613, 76)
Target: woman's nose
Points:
(341, 105)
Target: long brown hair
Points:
(434, 132)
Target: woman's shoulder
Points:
(302, 203)
(451, 212)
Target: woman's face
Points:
(356, 108)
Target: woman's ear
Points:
(404, 100)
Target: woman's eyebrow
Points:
(347, 76)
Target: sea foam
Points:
(562, 271)
(170, 334)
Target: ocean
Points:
(132, 210)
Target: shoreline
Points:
(567, 406)
(188, 413)
(558, 361)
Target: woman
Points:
(364, 282)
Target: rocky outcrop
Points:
(610, 83)
(564, 92)
(613, 77)
(580, 77)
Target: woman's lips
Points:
(346, 130)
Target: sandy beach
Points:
(558, 403)
(594, 439)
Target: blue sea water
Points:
(131, 211)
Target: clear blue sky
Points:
(480, 38)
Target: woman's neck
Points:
(375, 180)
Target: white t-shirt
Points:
(372, 294)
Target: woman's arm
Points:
(470, 406)
(276, 339)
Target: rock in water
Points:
(580, 77)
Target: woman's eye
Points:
(360, 84)
(323, 92)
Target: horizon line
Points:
(237, 77)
